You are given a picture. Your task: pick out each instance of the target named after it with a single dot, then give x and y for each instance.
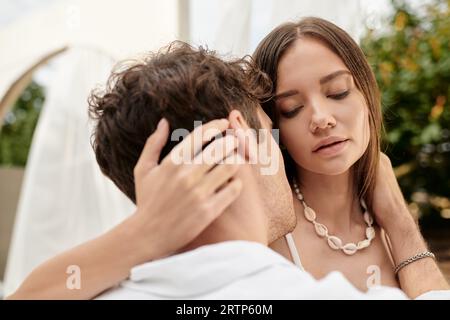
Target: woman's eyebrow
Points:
(285, 94)
(333, 75)
(322, 81)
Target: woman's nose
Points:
(321, 119)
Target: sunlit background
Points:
(52, 195)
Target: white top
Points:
(293, 251)
(238, 270)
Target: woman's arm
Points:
(393, 216)
(103, 262)
(175, 203)
(422, 275)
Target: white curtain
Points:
(347, 14)
(222, 25)
(120, 27)
(65, 199)
(233, 34)
(236, 26)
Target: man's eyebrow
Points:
(333, 75)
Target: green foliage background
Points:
(18, 127)
(411, 61)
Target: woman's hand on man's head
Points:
(177, 201)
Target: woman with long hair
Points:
(327, 107)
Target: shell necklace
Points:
(334, 242)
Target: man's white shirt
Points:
(240, 270)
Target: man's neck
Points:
(244, 219)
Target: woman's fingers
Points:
(215, 153)
(218, 202)
(221, 174)
(152, 148)
(193, 143)
(166, 192)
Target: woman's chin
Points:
(333, 168)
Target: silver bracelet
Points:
(419, 256)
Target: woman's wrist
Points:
(134, 241)
(405, 238)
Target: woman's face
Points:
(323, 117)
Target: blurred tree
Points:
(18, 127)
(411, 61)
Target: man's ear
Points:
(237, 121)
(247, 141)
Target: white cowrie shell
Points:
(364, 205)
(310, 215)
(370, 233)
(363, 244)
(350, 249)
(368, 218)
(321, 230)
(334, 242)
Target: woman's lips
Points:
(332, 149)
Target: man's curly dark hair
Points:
(179, 83)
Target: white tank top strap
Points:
(293, 251)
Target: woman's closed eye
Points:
(291, 113)
(339, 96)
(295, 110)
